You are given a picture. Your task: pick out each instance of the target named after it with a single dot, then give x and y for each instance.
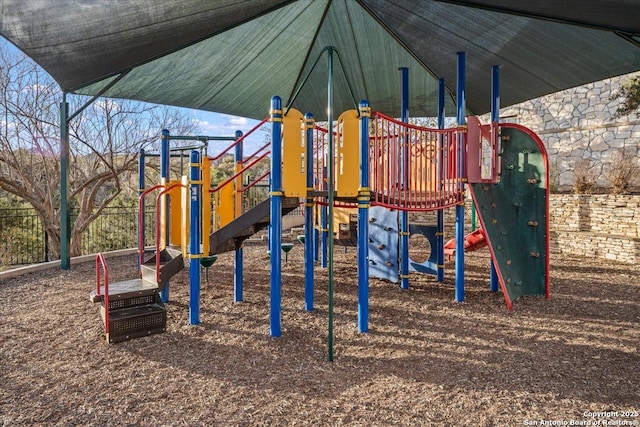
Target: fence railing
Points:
(23, 239)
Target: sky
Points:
(216, 124)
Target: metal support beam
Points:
(275, 238)
(459, 257)
(404, 172)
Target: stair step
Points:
(125, 290)
(135, 322)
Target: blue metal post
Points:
(404, 168)
(195, 253)
(165, 156)
(141, 184)
(440, 212)
(324, 223)
(308, 217)
(238, 261)
(460, 100)
(364, 200)
(275, 240)
(495, 118)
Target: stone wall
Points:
(602, 214)
(596, 226)
(579, 124)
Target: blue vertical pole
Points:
(275, 240)
(460, 100)
(194, 239)
(165, 156)
(364, 200)
(440, 212)
(495, 119)
(141, 184)
(404, 170)
(238, 261)
(308, 216)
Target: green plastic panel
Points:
(514, 214)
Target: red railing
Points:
(141, 221)
(413, 167)
(239, 140)
(240, 172)
(248, 162)
(101, 263)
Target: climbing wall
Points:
(514, 214)
(383, 243)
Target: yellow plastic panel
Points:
(341, 216)
(225, 205)
(348, 154)
(294, 163)
(175, 214)
(184, 223)
(238, 191)
(206, 204)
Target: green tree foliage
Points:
(630, 96)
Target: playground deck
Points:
(425, 361)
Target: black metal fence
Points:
(23, 239)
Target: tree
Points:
(630, 94)
(104, 142)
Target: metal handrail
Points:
(256, 181)
(100, 262)
(256, 152)
(140, 228)
(240, 172)
(166, 190)
(239, 140)
(141, 220)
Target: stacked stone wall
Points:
(578, 125)
(595, 226)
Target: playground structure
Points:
(402, 168)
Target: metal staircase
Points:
(231, 236)
(133, 308)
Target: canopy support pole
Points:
(495, 119)
(65, 217)
(459, 256)
(331, 187)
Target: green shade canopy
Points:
(232, 56)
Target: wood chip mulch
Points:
(425, 361)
